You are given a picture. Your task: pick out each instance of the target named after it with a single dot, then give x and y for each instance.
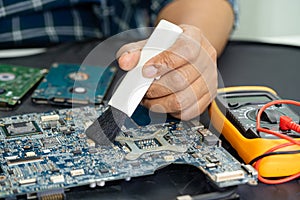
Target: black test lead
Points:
(133, 87)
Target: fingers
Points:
(129, 55)
(182, 100)
(195, 109)
(182, 77)
(172, 82)
(184, 50)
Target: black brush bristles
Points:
(104, 130)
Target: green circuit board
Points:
(15, 82)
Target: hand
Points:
(187, 70)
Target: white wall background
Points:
(275, 21)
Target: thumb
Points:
(129, 60)
(129, 54)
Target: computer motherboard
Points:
(44, 154)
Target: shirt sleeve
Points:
(155, 8)
(235, 8)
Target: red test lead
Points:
(286, 123)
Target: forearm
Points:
(213, 17)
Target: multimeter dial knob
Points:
(270, 116)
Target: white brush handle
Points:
(134, 85)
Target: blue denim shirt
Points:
(42, 22)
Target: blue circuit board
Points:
(46, 153)
(69, 84)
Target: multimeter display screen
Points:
(248, 99)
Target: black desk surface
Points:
(241, 64)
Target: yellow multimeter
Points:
(233, 113)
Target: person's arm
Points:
(187, 70)
(214, 18)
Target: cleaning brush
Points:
(133, 87)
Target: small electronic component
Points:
(50, 142)
(30, 154)
(27, 181)
(55, 194)
(47, 164)
(147, 143)
(67, 84)
(57, 179)
(16, 82)
(77, 172)
(24, 160)
(227, 176)
(47, 118)
(20, 129)
(208, 137)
